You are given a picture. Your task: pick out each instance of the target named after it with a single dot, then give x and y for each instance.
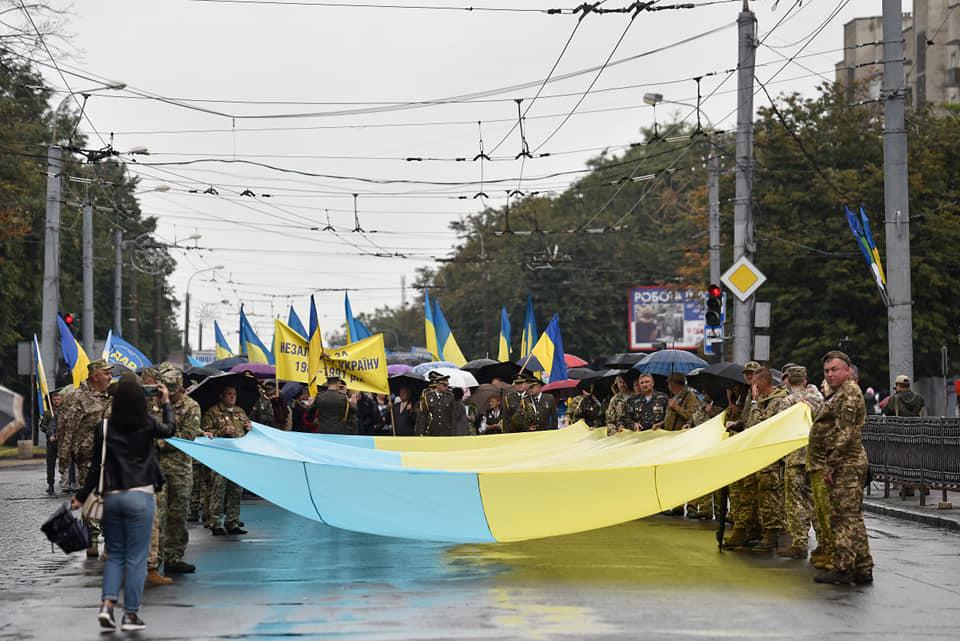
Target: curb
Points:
(21, 462)
(911, 515)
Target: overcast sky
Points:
(252, 60)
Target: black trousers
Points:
(51, 462)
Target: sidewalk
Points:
(910, 508)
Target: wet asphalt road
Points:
(659, 578)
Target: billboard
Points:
(660, 314)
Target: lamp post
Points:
(186, 319)
(51, 240)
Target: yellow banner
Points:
(291, 352)
(362, 365)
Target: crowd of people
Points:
(820, 486)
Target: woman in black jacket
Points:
(131, 477)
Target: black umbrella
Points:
(583, 373)
(478, 364)
(624, 361)
(715, 379)
(226, 364)
(197, 374)
(291, 390)
(603, 381)
(481, 396)
(416, 384)
(207, 393)
(506, 372)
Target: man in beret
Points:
(437, 415)
(81, 413)
(835, 454)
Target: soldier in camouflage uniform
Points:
(177, 469)
(262, 411)
(646, 409)
(702, 508)
(740, 405)
(80, 415)
(682, 404)
(586, 407)
(537, 411)
(797, 502)
(224, 420)
(616, 404)
(436, 416)
(48, 425)
(836, 453)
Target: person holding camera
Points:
(131, 477)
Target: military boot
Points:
(792, 552)
(836, 577)
(820, 559)
(737, 539)
(155, 578)
(769, 541)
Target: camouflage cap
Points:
(150, 372)
(836, 353)
(796, 374)
(787, 366)
(752, 366)
(97, 366)
(169, 374)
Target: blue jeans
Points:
(127, 525)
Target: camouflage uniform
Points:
(436, 416)
(797, 499)
(615, 407)
(587, 408)
(646, 412)
(224, 498)
(263, 411)
(740, 414)
(160, 496)
(702, 508)
(80, 415)
(177, 469)
(677, 419)
(836, 450)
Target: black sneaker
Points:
(49, 490)
(218, 531)
(236, 530)
(863, 578)
(105, 617)
(836, 577)
(132, 622)
(179, 567)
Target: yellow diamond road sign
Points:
(743, 278)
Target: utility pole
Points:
(896, 197)
(743, 244)
(88, 274)
(186, 325)
(157, 324)
(51, 265)
(118, 283)
(713, 193)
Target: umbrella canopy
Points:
(398, 368)
(602, 382)
(291, 390)
(197, 374)
(505, 371)
(476, 365)
(207, 393)
(566, 385)
(530, 363)
(458, 377)
(415, 384)
(581, 373)
(668, 361)
(226, 364)
(574, 361)
(260, 370)
(715, 379)
(481, 396)
(423, 368)
(623, 361)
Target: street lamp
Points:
(51, 239)
(159, 188)
(654, 99)
(186, 320)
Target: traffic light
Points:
(70, 320)
(714, 314)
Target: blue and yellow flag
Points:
(314, 349)
(223, 347)
(43, 392)
(447, 347)
(429, 328)
(356, 331)
(549, 351)
(250, 343)
(503, 353)
(529, 335)
(118, 351)
(294, 323)
(860, 227)
(73, 353)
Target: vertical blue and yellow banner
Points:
(430, 330)
(447, 348)
(549, 351)
(503, 350)
(43, 392)
(355, 329)
(223, 347)
(250, 343)
(528, 336)
(73, 353)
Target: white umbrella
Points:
(458, 377)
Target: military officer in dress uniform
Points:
(537, 411)
(437, 415)
(332, 411)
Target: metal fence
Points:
(916, 451)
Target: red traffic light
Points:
(714, 291)
(69, 319)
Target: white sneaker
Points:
(132, 622)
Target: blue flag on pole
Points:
(251, 344)
(294, 323)
(528, 338)
(223, 347)
(118, 351)
(356, 331)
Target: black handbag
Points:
(65, 530)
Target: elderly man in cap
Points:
(836, 455)
(332, 411)
(682, 404)
(797, 498)
(437, 414)
(81, 412)
(538, 411)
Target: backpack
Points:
(66, 530)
